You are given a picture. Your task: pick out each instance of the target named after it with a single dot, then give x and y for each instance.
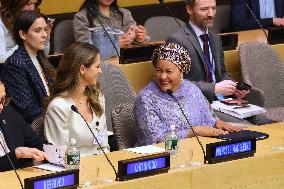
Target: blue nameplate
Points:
(143, 166)
(65, 179)
(230, 150)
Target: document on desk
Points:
(150, 149)
(55, 154)
(50, 167)
(238, 111)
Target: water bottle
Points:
(171, 141)
(72, 155)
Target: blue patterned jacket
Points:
(24, 85)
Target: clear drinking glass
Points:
(182, 159)
(89, 176)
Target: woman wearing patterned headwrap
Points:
(156, 108)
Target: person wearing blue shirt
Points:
(269, 13)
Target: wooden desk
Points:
(264, 170)
(250, 36)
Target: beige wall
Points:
(66, 6)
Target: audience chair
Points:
(263, 69)
(63, 36)
(116, 89)
(124, 126)
(159, 28)
(222, 18)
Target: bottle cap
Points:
(72, 141)
(172, 127)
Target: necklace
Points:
(83, 100)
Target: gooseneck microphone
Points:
(11, 163)
(74, 108)
(170, 92)
(95, 15)
(256, 19)
(170, 11)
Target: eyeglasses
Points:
(5, 101)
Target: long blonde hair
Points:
(67, 78)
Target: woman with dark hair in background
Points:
(108, 12)
(27, 73)
(76, 85)
(9, 11)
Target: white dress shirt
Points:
(7, 43)
(267, 9)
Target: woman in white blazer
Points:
(76, 84)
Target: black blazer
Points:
(17, 134)
(24, 85)
(242, 19)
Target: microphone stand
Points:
(74, 108)
(11, 163)
(116, 50)
(256, 19)
(170, 92)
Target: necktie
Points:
(205, 39)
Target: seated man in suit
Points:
(205, 48)
(17, 139)
(269, 13)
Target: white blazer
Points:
(61, 124)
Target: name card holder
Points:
(276, 35)
(65, 179)
(229, 41)
(143, 166)
(230, 150)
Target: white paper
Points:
(146, 149)
(55, 153)
(3, 144)
(109, 133)
(235, 111)
(50, 167)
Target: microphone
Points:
(171, 12)
(170, 92)
(256, 19)
(95, 15)
(11, 163)
(74, 109)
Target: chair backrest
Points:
(63, 36)
(262, 68)
(222, 18)
(124, 126)
(139, 74)
(116, 89)
(159, 28)
(38, 125)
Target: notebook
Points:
(238, 111)
(244, 134)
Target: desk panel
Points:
(264, 170)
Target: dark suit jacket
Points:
(187, 38)
(24, 85)
(242, 19)
(17, 134)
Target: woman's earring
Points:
(181, 80)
